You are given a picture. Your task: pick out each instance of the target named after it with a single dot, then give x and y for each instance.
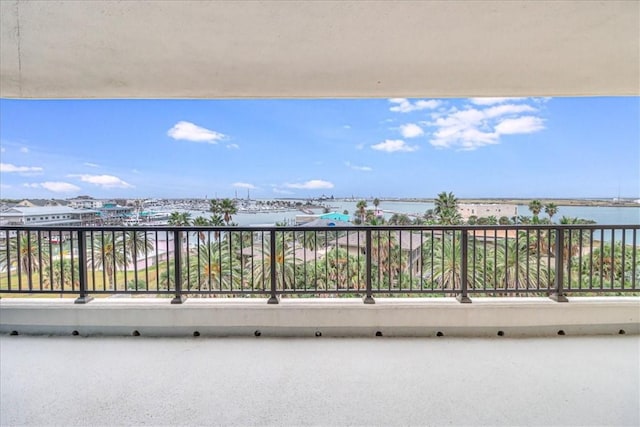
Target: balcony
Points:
(331, 281)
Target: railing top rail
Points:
(328, 228)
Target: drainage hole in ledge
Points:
(75, 333)
(196, 333)
(135, 333)
(500, 333)
(378, 333)
(439, 334)
(621, 332)
(561, 332)
(13, 333)
(318, 333)
(257, 333)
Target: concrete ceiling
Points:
(237, 49)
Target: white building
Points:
(85, 203)
(50, 215)
(479, 210)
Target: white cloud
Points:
(55, 186)
(244, 185)
(314, 184)
(359, 146)
(526, 124)
(190, 132)
(346, 127)
(403, 105)
(24, 150)
(2, 150)
(472, 127)
(411, 130)
(359, 168)
(105, 181)
(233, 146)
(136, 171)
(91, 165)
(9, 168)
(492, 101)
(393, 145)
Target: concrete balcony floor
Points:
(562, 380)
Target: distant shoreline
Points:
(558, 202)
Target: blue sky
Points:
(477, 147)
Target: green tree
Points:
(361, 208)
(399, 219)
(135, 244)
(535, 206)
(27, 251)
(213, 266)
(285, 260)
(228, 208)
(106, 254)
(504, 220)
(550, 209)
(446, 209)
(515, 266)
(443, 260)
(60, 275)
(180, 218)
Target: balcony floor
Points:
(322, 381)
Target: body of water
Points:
(605, 215)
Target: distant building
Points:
(84, 202)
(113, 214)
(467, 210)
(33, 203)
(50, 215)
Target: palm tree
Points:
(60, 274)
(180, 218)
(399, 219)
(105, 254)
(284, 260)
(227, 209)
(430, 216)
(212, 265)
(515, 266)
(550, 209)
(27, 251)
(361, 207)
(446, 209)
(135, 243)
(444, 261)
(535, 206)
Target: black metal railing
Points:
(367, 261)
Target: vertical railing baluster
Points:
(84, 297)
(558, 293)
(464, 267)
(177, 271)
(368, 299)
(273, 298)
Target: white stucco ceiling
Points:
(198, 49)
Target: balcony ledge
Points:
(334, 317)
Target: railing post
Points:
(464, 267)
(82, 268)
(177, 278)
(558, 294)
(368, 299)
(273, 298)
